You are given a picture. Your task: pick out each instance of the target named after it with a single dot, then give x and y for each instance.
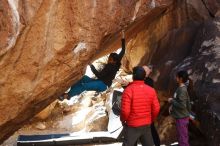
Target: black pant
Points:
(132, 134)
(155, 135)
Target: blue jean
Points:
(87, 84)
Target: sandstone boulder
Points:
(44, 114)
(45, 46)
(213, 6)
(203, 65)
(176, 35)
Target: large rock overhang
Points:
(53, 41)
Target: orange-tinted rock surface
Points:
(46, 44)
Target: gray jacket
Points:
(181, 103)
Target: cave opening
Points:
(90, 112)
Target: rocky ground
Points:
(89, 112)
(83, 113)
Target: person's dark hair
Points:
(138, 73)
(183, 75)
(114, 56)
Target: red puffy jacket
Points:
(139, 105)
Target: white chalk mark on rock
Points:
(215, 80)
(153, 4)
(16, 23)
(81, 46)
(137, 6)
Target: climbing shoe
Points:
(63, 96)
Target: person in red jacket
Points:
(139, 108)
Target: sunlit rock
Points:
(45, 46)
(46, 112)
(40, 126)
(167, 130)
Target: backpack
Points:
(116, 102)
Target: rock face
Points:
(213, 6)
(203, 65)
(45, 46)
(44, 114)
(185, 31)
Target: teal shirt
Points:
(181, 103)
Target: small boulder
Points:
(40, 126)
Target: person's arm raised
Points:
(121, 54)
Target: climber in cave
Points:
(104, 77)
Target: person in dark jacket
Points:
(180, 108)
(104, 77)
(139, 107)
(148, 81)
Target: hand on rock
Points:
(170, 100)
(123, 33)
(170, 109)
